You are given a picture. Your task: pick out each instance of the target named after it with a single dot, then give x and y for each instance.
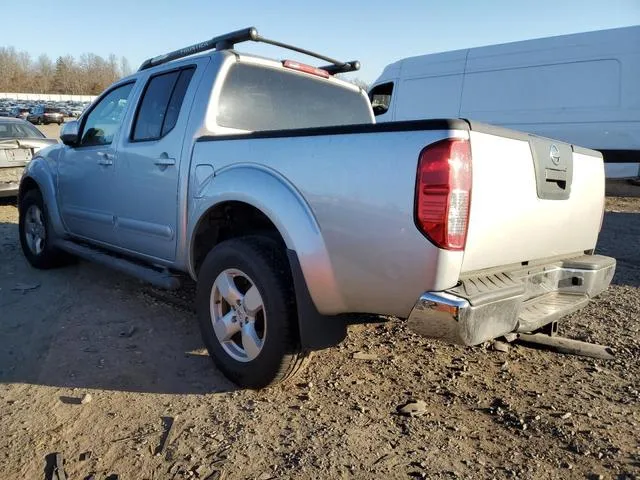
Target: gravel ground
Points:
(487, 414)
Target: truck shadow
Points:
(84, 326)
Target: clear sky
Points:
(375, 32)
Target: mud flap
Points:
(317, 331)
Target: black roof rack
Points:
(227, 41)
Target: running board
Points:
(159, 278)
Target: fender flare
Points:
(39, 170)
(272, 194)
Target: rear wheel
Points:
(35, 233)
(247, 314)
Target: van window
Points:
(380, 97)
(259, 98)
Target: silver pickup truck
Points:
(269, 184)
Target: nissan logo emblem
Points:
(554, 154)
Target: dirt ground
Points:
(52, 130)
(527, 413)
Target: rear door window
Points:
(259, 98)
(160, 105)
(175, 102)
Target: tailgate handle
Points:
(559, 177)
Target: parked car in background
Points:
(270, 184)
(76, 111)
(45, 115)
(19, 140)
(22, 108)
(19, 112)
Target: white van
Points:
(582, 88)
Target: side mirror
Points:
(70, 132)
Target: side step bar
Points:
(158, 278)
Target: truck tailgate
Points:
(532, 198)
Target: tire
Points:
(245, 263)
(41, 255)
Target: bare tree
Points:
(42, 72)
(89, 74)
(356, 81)
(125, 67)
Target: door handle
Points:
(164, 161)
(106, 158)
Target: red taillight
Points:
(443, 193)
(301, 67)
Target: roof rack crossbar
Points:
(227, 41)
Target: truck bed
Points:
(359, 185)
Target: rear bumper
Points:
(485, 307)
(9, 189)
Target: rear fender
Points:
(272, 194)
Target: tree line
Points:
(89, 74)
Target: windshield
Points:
(259, 98)
(9, 130)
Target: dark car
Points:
(19, 140)
(46, 115)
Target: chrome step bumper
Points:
(485, 307)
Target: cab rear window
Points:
(259, 98)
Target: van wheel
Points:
(247, 314)
(35, 233)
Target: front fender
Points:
(272, 194)
(42, 171)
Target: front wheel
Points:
(247, 314)
(35, 233)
